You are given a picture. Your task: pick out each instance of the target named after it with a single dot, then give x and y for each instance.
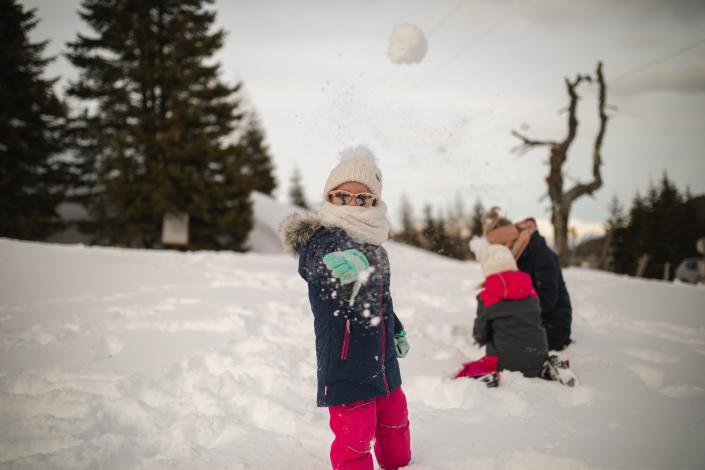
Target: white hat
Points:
(357, 164)
(496, 259)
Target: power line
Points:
(352, 24)
(659, 60)
(448, 15)
(507, 13)
(621, 77)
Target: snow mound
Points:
(268, 215)
(114, 358)
(407, 44)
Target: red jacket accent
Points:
(509, 285)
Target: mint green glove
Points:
(401, 344)
(346, 265)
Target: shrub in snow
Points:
(407, 45)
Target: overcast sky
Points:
(318, 75)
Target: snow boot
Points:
(491, 380)
(557, 370)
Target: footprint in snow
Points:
(683, 391)
(652, 377)
(655, 357)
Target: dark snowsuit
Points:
(509, 322)
(542, 264)
(354, 343)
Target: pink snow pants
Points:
(383, 421)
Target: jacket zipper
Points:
(346, 341)
(383, 326)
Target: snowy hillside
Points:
(267, 216)
(120, 359)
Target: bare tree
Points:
(561, 200)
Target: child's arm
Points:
(482, 331)
(312, 265)
(398, 326)
(400, 341)
(546, 275)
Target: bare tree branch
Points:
(532, 142)
(561, 201)
(528, 143)
(572, 113)
(588, 188)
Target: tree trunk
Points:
(563, 200)
(604, 261)
(560, 234)
(641, 265)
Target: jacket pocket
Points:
(346, 341)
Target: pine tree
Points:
(614, 234)
(297, 196)
(32, 119)
(478, 210)
(457, 230)
(428, 230)
(661, 228)
(409, 233)
(256, 160)
(151, 138)
(444, 244)
(456, 212)
(669, 210)
(617, 218)
(434, 233)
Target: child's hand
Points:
(346, 265)
(401, 344)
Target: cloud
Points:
(557, 12)
(687, 79)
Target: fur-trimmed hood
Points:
(297, 230)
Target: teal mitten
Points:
(401, 344)
(346, 265)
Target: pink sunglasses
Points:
(344, 198)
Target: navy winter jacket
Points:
(355, 348)
(542, 264)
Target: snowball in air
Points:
(407, 44)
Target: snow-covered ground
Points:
(120, 359)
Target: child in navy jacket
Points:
(358, 335)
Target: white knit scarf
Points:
(363, 224)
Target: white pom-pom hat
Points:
(357, 164)
(496, 259)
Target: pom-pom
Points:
(357, 152)
(477, 244)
